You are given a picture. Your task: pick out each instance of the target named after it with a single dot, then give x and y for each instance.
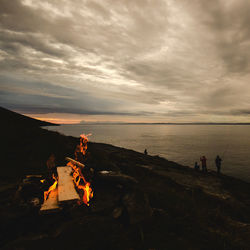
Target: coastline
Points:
(200, 209)
(182, 144)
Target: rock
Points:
(116, 177)
(137, 205)
(30, 192)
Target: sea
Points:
(184, 144)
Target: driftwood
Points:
(66, 188)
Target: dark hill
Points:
(9, 118)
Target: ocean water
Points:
(180, 143)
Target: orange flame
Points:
(88, 193)
(84, 143)
(78, 177)
(52, 187)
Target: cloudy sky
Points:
(126, 60)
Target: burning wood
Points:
(77, 163)
(69, 178)
(82, 185)
(66, 189)
(61, 191)
(51, 204)
(51, 188)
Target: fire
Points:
(84, 143)
(82, 185)
(52, 187)
(78, 177)
(88, 193)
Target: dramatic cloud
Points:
(143, 60)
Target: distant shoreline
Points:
(137, 123)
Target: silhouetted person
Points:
(196, 166)
(218, 161)
(203, 160)
(145, 151)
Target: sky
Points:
(126, 60)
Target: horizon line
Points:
(160, 123)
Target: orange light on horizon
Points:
(57, 120)
(63, 118)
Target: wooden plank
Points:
(77, 163)
(51, 204)
(66, 187)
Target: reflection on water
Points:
(181, 143)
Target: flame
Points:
(82, 184)
(84, 143)
(52, 187)
(88, 193)
(42, 181)
(78, 177)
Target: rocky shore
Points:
(165, 206)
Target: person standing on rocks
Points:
(218, 161)
(196, 166)
(203, 160)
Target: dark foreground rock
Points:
(146, 203)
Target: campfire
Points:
(70, 184)
(69, 187)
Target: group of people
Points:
(203, 160)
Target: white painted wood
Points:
(66, 187)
